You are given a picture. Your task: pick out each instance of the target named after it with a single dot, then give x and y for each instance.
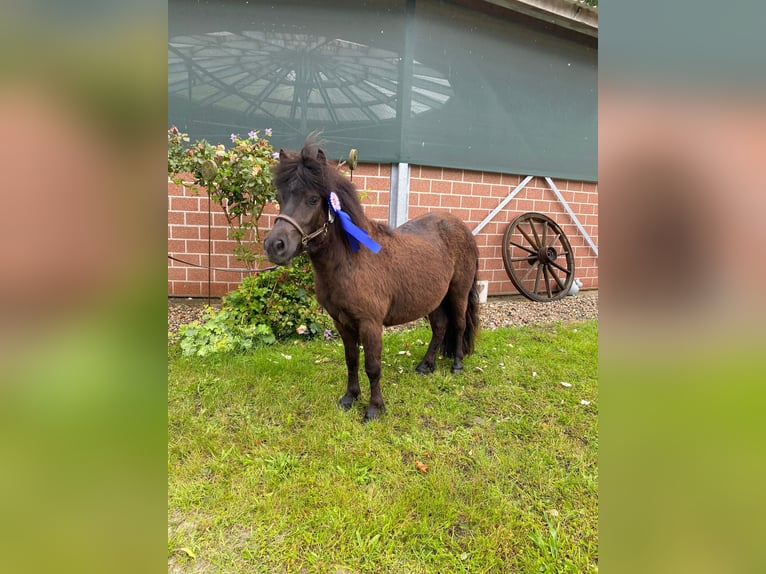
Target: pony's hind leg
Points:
(351, 347)
(439, 320)
(456, 331)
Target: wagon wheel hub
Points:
(546, 255)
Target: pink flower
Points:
(268, 132)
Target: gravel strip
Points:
(497, 312)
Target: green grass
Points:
(267, 474)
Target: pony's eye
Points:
(313, 200)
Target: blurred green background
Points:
(82, 328)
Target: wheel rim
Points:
(538, 257)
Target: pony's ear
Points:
(321, 157)
(282, 154)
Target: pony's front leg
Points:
(351, 347)
(372, 341)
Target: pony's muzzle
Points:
(279, 246)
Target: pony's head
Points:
(304, 181)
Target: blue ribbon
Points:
(356, 235)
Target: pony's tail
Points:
(450, 342)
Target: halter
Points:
(306, 237)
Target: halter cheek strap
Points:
(305, 237)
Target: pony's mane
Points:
(309, 169)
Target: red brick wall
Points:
(471, 195)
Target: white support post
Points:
(572, 215)
(501, 205)
(399, 201)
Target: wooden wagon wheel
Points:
(538, 257)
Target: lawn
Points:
(494, 470)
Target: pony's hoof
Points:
(372, 413)
(425, 369)
(457, 370)
(345, 402)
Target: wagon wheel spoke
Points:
(543, 269)
(528, 238)
(556, 277)
(527, 249)
(534, 232)
(560, 268)
(534, 266)
(547, 282)
(537, 278)
(523, 258)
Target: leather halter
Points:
(305, 237)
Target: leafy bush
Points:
(283, 299)
(274, 305)
(219, 333)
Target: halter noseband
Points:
(306, 237)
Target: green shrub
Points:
(283, 299)
(274, 305)
(217, 332)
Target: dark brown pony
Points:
(426, 267)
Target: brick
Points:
(472, 176)
(196, 218)
(461, 188)
(430, 200)
(589, 187)
(218, 219)
(228, 276)
(470, 201)
(492, 178)
(441, 186)
(429, 172)
(378, 183)
(219, 290)
(510, 179)
(574, 185)
(420, 185)
(196, 274)
(216, 233)
(379, 213)
(488, 203)
(500, 191)
(184, 204)
(224, 246)
(463, 214)
(415, 211)
(183, 232)
(364, 169)
(176, 245)
(271, 209)
(187, 288)
(523, 205)
(197, 246)
(176, 273)
(450, 200)
(451, 174)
